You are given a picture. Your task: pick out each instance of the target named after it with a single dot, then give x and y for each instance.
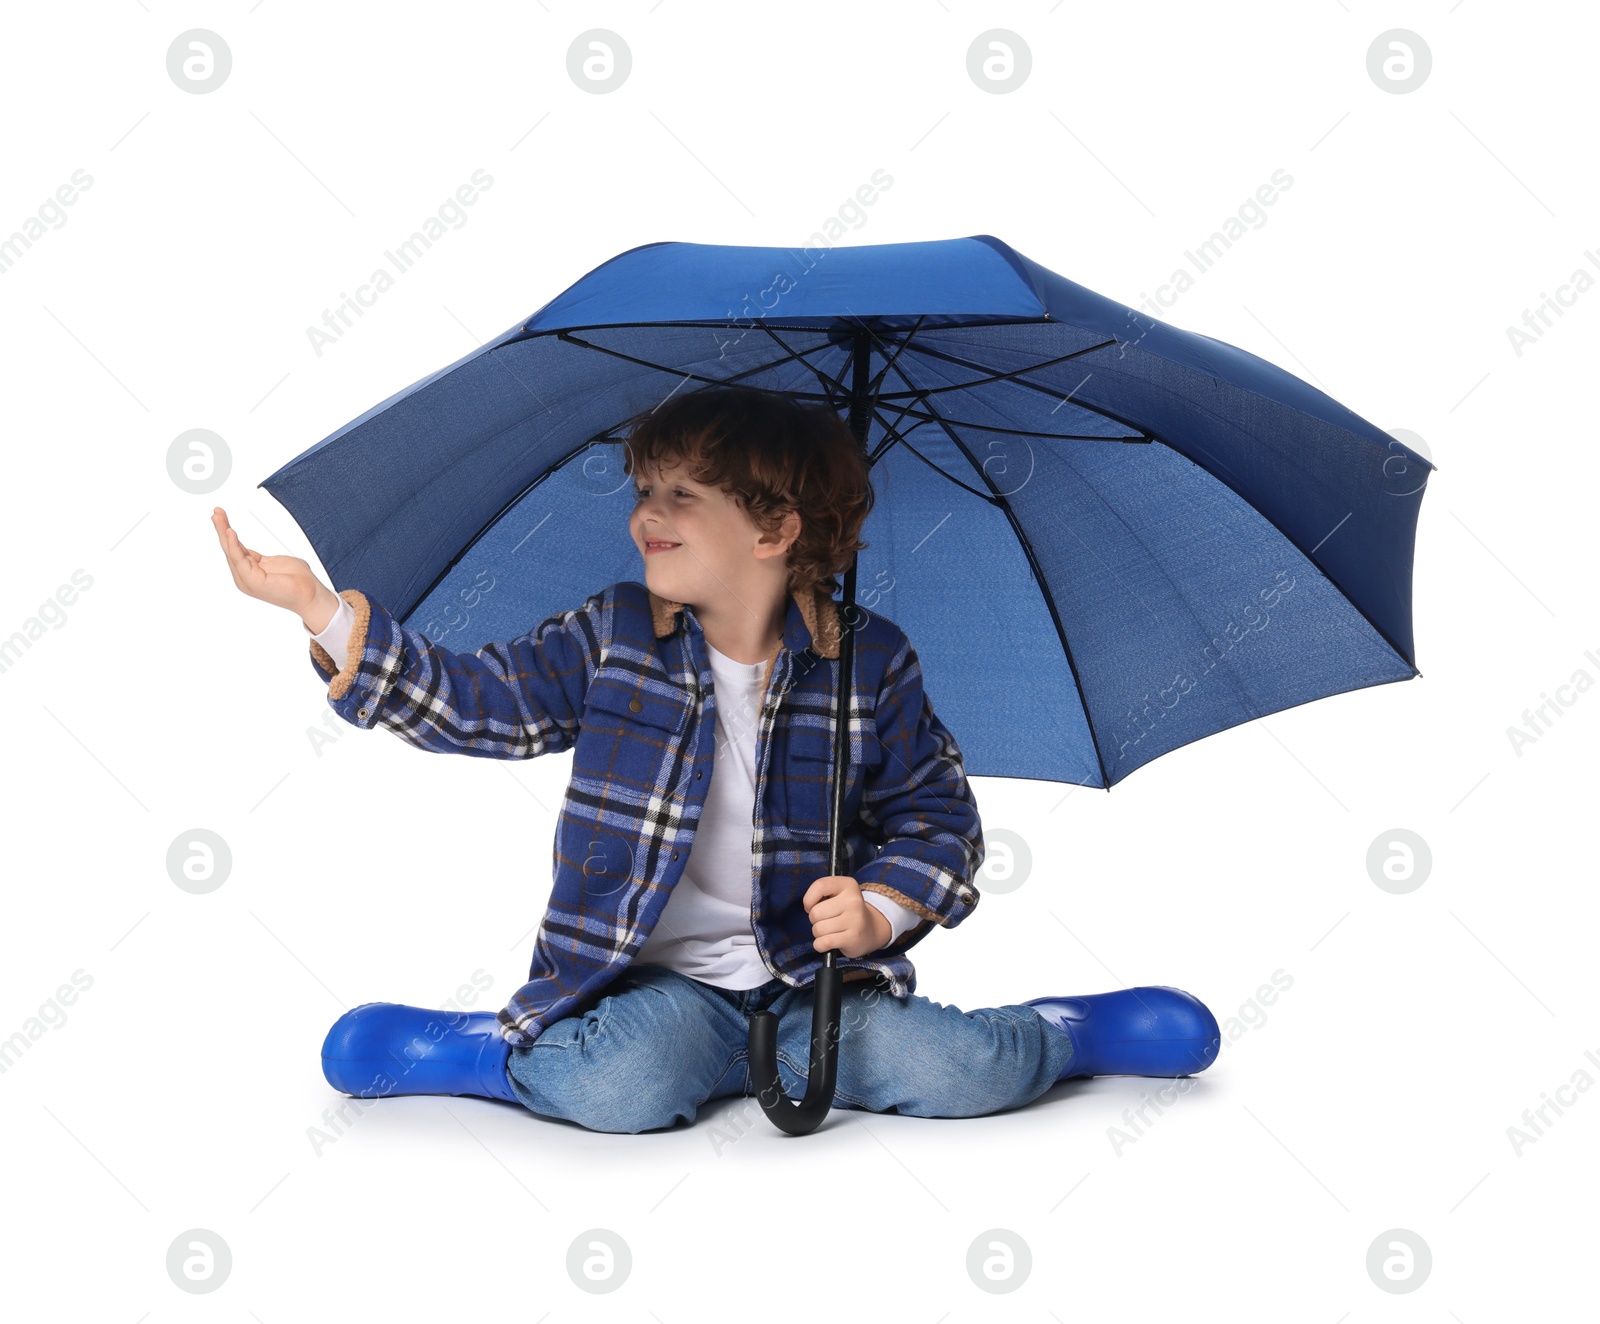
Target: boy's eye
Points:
(639, 492)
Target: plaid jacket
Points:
(625, 682)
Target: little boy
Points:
(691, 885)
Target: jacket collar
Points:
(812, 621)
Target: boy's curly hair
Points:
(772, 454)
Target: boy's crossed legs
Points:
(658, 1044)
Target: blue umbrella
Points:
(1108, 537)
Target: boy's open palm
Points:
(840, 917)
(284, 581)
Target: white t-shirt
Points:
(704, 930)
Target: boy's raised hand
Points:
(840, 917)
(284, 581)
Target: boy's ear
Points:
(776, 544)
(790, 528)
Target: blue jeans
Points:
(658, 1044)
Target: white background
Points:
(177, 293)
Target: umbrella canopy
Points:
(1105, 536)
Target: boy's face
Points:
(718, 550)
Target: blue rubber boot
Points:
(1151, 1031)
(385, 1048)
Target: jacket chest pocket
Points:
(630, 720)
(806, 778)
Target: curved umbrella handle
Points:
(802, 1116)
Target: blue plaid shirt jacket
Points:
(625, 682)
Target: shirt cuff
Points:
(900, 919)
(335, 636)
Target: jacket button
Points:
(697, 775)
(634, 706)
(361, 712)
(674, 854)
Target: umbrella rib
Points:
(945, 474)
(1044, 589)
(694, 376)
(893, 435)
(987, 376)
(1141, 439)
(889, 361)
(833, 388)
